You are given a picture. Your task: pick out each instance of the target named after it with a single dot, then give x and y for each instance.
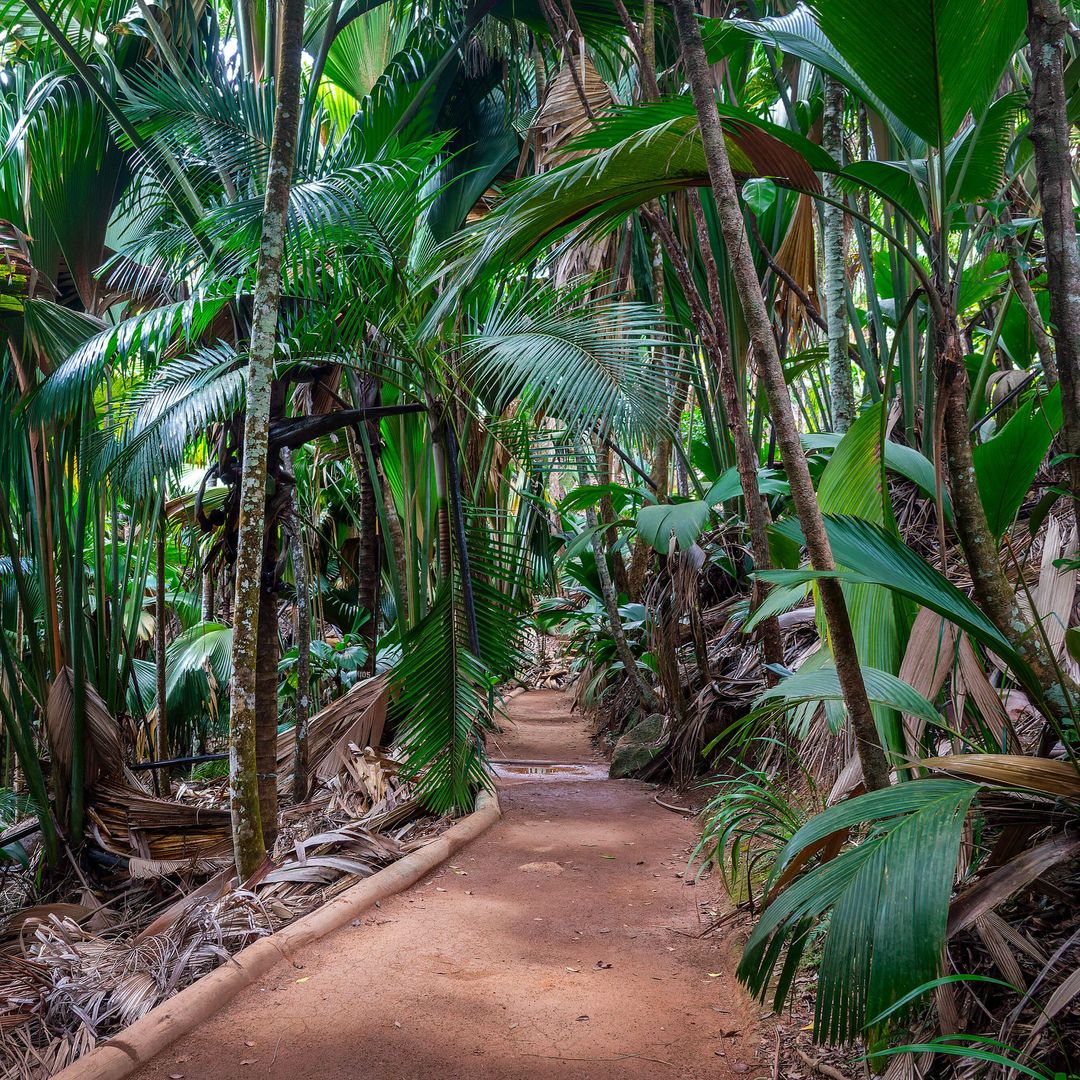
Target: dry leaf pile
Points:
(72, 974)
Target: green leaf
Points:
(882, 687)
(974, 1053)
(975, 159)
(630, 156)
(974, 162)
(797, 34)
(900, 182)
(930, 62)
(872, 554)
(888, 897)
(586, 495)
(854, 483)
(686, 520)
(729, 486)
(1006, 464)
(587, 360)
(759, 195)
(443, 692)
(905, 460)
(1072, 642)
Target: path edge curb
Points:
(134, 1046)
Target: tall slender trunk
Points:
(1049, 132)
(207, 606)
(266, 698)
(461, 540)
(992, 588)
(248, 839)
(161, 747)
(875, 768)
(298, 551)
(367, 596)
(712, 330)
(841, 388)
(442, 513)
(619, 574)
(644, 693)
(396, 540)
(746, 458)
(1026, 297)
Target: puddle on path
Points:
(508, 770)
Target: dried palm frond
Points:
(1056, 588)
(796, 256)
(356, 718)
(574, 99)
(102, 984)
(930, 656)
(129, 822)
(104, 754)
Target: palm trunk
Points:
(875, 768)
(370, 556)
(712, 331)
(266, 700)
(371, 553)
(161, 746)
(442, 513)
(992, 588)
(841, 388)
(1022, 287)
(457, 511)
(298, 550)
(1049, 132)
(248, 840)
(650, 702)
(207, 607)
(746, 458)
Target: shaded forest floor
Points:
(564, 942)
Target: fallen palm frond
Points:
(69, 979)
(164, 836)
(355, 718)
(127, 821)
(72, 988)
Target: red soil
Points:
(560, 944)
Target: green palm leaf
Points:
(888, 897)
(588, 361)
(630, 157)
(930, 62)
(866, 552)
(823, 684)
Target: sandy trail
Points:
(555, 946)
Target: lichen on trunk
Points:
(248, 836)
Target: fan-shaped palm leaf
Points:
(888, 896)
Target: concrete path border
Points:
(133, 1047)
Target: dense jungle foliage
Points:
(723, 362)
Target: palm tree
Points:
(253, 797)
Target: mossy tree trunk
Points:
(841, 388)
(1050, 138)
(875, 767)
(247, 825)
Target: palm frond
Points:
(587, 361)
(888, 895)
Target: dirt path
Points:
(555, 947)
